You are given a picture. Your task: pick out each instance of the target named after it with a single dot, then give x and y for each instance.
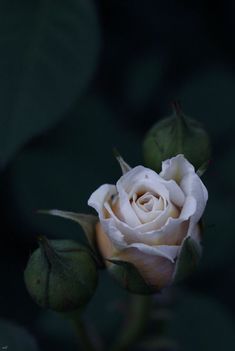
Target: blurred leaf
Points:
(66, 167)
(48, 54)
(86, 221)
(13, 337)
(202, 324)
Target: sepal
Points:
(122, 163)
(129, 277)
(188, 259)
(86, 221)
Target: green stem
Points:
(135, 324)
(84, 339)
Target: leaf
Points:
(14, 337)
(129, 277)
(74, 160)
(188, 259)
(49, 52)
(86, 221)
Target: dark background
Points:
(78, 78)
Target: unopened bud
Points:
(61, 275)
(177, 134)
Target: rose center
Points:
(148, 202)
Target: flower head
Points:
(146, 217)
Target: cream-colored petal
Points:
(176, 168)
(138, 174)
(176, 194)
(160, 220)
(157, 271)
(115, 235)
(167, 251)
(193, 187)
(127, 213)
(100, 196)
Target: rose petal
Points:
(176, 168)
(100, 196)
(156, 271)
(167, 251)
(128, 214)
(193, 187)
(110, 228)
(136, 175)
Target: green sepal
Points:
(87, 222)
(188, 259)
(129, 277)
(122, 163)
(203, 168)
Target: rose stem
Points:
(135, 324)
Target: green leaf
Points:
(188, 259)
(49, 52)
(86, 221)
(129, 277)
(74, 160)
(14, 337)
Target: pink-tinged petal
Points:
(176, 168)
(126, 211)
(167, 251)
(193, 187)
(115, 235)
(138, 174)
(104, 244)
(100, 196)
(154, 186)
(157, 271)
(176, 194)
(159, 221)
(189, 208)
(172, 233)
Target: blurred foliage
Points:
(77, 79)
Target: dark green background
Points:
(78, 78)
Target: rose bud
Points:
(61, 275)
(148, 231)
(177, 134)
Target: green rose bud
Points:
(177, 134)
(61, 275)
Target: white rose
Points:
(146, 216)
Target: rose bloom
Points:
(146, 216)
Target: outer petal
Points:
(100, 196)
(169, 252)
(176, 168)
(135, 175)
(156, 271)
(193, 187)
